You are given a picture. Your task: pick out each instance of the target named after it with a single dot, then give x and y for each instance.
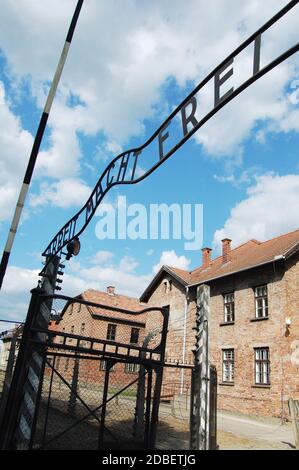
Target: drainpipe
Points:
(184, 340)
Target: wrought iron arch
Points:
(122, 169)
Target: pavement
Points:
(235, 431)
(244, 432)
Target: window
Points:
(62, 337)
(228, 365)
(103, 365)
(261, 302)
(229, 307)
(262, 366)
(131, 368)
(134, 336)
(167, 286)
(66, 365)
(111, 332)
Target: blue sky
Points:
(121, 80)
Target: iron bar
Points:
(36, 144)
(104, 404)
(148, 409)
(73, 391)
(94, 411)
(48, 404)
(50, 250)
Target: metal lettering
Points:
(218, 81)
(123, 167)
(257, 54)
(162, 137)
(191, 118)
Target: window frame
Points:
(230, 303)
(133, 331)
(231, 364)
(265, 302)
(103, 366)
(108, 332)
(261, 362)
(134, 366)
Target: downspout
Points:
(184, 340)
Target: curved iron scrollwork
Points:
(123, 168)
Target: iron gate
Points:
(91, 392)
(79, 411)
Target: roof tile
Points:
(245, 256)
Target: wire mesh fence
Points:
(96, 375)
(105, 328)
(174, 411)
(101, 356)
(72, 400)
(10, 337)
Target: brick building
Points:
(254, 321)
(253, 327)
(94, 322)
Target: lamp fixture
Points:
(73, 248)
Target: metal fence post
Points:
(199, 423)
(19, 416)
(9, 371)
(195, 407)
(213, 409)
(109, 364)
(75, 376)
(159, 378)
(294, 412)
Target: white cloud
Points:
(170, 258)
(67, 192)
(15, 144)
(15, 293)
(102, 257)
(238, 179)
(117, 74)
(100, 273)
(19, 280)
(270, 209)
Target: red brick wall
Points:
(78, 314)
(245, 335)
(175, 339)
(283, 295)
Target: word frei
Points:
(166, 141)
(156, 222)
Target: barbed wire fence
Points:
(76, 384)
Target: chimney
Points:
(226, 249)
(206, 257)
(110, 290)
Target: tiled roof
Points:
(117, 301)
(248, 255)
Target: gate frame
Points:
(38, 338)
